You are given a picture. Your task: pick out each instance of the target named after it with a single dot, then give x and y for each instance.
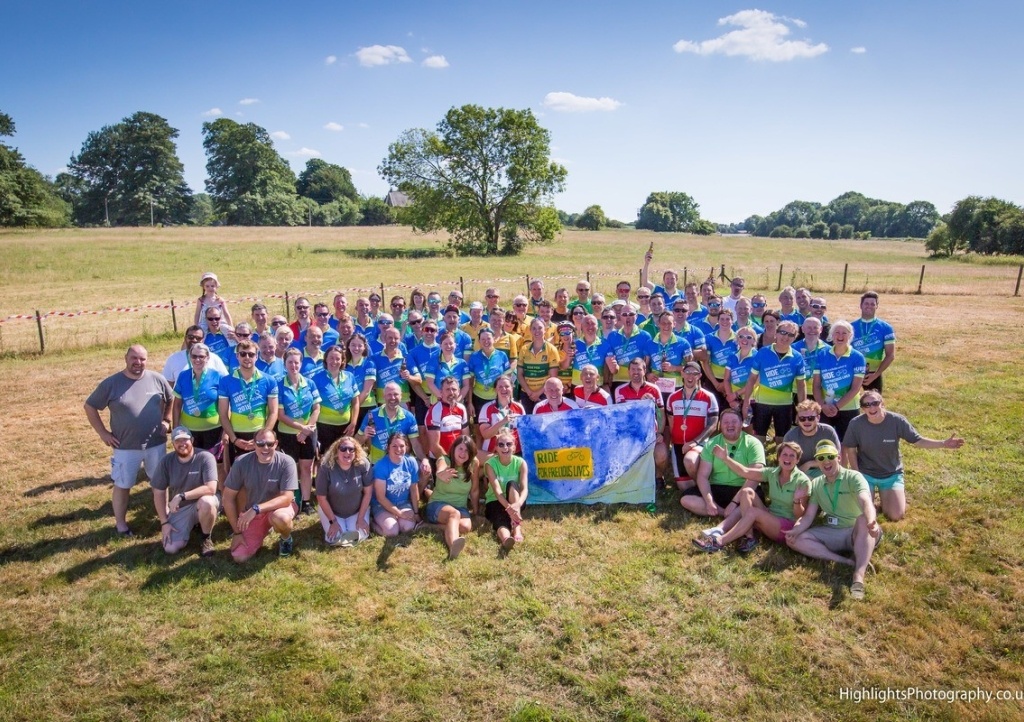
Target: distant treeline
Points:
(851, 215)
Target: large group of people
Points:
(383, 420)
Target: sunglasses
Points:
(416, 323)
(194, 339)
(197, 358)
(434, 301)
(242, 335)
(213, 318)
(826, 457)
(385, 322)
(643, 298)
(505, 445)
(346, 449)
(302, 308)
(607, 318)
(579, 313)
(246, 354)
(491, 295)
(746, 338)
(323, 315)
(806, 418)
(429, 329)
(275, 324)
(789, 334)
(714, 305)
(264, 444)
(870, 404)
(519, 305)
(818, 306)
(758, 305)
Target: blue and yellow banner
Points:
(588, 456)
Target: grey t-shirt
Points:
(808, 443)
(262, 481)
(136, 408)
(344, 487)
(878, 445)
(179, 477)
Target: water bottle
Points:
(830, 398)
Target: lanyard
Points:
(834, 498)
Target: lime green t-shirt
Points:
(838, 500)
(781, 496)
(747, 450)
(504, 474)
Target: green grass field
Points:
(604, 613)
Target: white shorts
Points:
(125, 464)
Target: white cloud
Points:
(305, 152)
(248, 101)
(280, 135)
(762, 37)
(435, 61)
(859, 50)
(363, 125)
(212, 113)
(330, 60)
(569, 103)
(337, 127)
(382, 55)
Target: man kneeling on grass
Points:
(185, 493)
(850, 521)
(264, 482)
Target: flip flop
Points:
(707, 544)
(857, 590)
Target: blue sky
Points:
(745, 107)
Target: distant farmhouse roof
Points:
(397, 199)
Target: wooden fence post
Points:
(174, 318)
(462, 288)
(779, 287)
(287, 307)
(39, 325)
(527, 285)
(685, 274)
(1020, 272)
(920, 281)
(846, 267)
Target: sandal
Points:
(747, 545)
(708, 544)
(857, 590)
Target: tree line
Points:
(129, 174)
(851, 215)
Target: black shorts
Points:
(875, 385)
(289, 444)
(722, 494)
(233, 451)
(363, 411)
(208, 439)
(677, 450)
(766, 415)
(841, 421)
(327, 434)
(420, 409)
(528, 403)
(478, 403)
(497, 514)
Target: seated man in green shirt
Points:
(850, 524)
(717, 485)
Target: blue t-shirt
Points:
(441, 369)
(275, 368)
(398, 479)
(487, 371)
(422, 357)
(247, 401)
(675, 352)
(310, 366)
(777, 377)
(624, 349)
(739, 371)
(331, 338)
(693, 335)
(593, 354)
(719, 352)
(870, 338)
(837, 374)
(296, 402)
(404, 422)
(336, 397)
(198, 401)
(220, 345)
(389, 370)
(810, 357)
(670, 298)
(361, 371)
(796, 317)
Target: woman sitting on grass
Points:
(344, 487)
(456, 481)
(788, 489)
(506, 491)
(396, 493)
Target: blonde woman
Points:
(344, 488)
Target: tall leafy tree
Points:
(484, 175)
(672, 212)
(27, 198)
(249, 182)
(592, 219)
(130, 174)
(325, 182)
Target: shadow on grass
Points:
(375, 253)
(835, 576)
(70, 485)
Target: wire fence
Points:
(42, 330)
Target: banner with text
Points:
(589, 456)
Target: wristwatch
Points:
(256, 508)
(182, 497)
